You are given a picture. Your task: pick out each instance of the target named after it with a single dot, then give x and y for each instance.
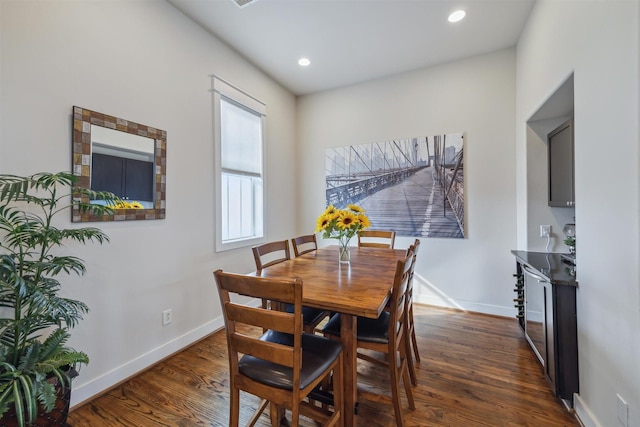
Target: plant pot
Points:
(57, 416)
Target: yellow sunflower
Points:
(346, 220)
(330, 210)
(121, 205)
(364, 220)
(323, 221)
(356, 208)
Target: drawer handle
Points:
(529, 271)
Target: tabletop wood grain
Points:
(360, 288)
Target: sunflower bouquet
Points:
(342, 224)
(122, 204)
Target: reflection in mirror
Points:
(122, 163)
(122, 157)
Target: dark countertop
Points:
(549, 265)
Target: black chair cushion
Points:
(370, 330)
(310, 315)
(317, 354)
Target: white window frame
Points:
(221, 89)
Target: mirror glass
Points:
(122, 157)
(122, 163)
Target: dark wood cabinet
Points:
(565, 339)
(549, 318)
(129, 179)
(561, 166)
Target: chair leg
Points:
(259, 411)
(407, 389)
(338, 398)
(395, 389)
(276, 414)
(415, 346)
(410, 364)
(414, 340)
(405, 360)
(234, 408)
(295, 414)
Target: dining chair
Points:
(272, 253)
(268, 254)
(376, 238)
(282, 365)
(412, 342)
(304, 244)
(386, 335)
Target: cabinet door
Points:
(561, 186)
(539, 322)
(107, 174)
(550, 368)
(566, 341)
(139, 180)
(535, 315)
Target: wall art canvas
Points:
(414, 186)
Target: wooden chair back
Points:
(412, 342)
(398, 300)
(396, 345)
(271, 253)
(415, 248)
(269, 347)
(287, 291)
(304, 244)
(377, 238)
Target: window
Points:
(239, 178)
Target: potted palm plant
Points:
(36, 365)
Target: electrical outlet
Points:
(623, 411)
(545, 230)
(166, 317)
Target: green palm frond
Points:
(46, 394)
(35, 320)
(18, 389)
(53, 265)
(110, 200)
(86, 234)
(13, 187)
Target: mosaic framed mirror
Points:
(125, 158)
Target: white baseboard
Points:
(465, 305)
(82, 392)
(584, 415)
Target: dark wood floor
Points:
(476, 370)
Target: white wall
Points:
(145, 62)
(475, 96)
(598, 42)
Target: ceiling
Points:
(352, 41)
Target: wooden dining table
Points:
(360, 288)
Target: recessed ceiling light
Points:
(457, 15)
(304, 62)
(243, 3)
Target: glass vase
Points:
(344, 255)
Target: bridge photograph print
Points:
(414, 186)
